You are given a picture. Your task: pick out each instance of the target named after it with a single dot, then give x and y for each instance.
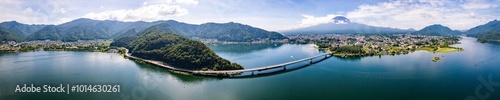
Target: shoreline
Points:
(428, 49)
(179, 70)
(222, 73)
(52, 50)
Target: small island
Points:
(435, 59)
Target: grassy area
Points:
(441, 49)
(447, 49)
(426, 49)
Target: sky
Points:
(273, 15)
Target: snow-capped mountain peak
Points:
(340, 20)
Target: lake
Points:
(457, 76)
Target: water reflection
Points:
(243, 48)
(281, 70)
(349, 58)
(157, 71)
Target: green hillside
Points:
(174, 50)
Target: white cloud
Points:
(60, 10)
(63, 20)
(417, 14)
(150, 10)
(145, 13)
(28, 11)
(32, 12)
(479, 4)
(311, 20)
(171, 2)
(190, 2)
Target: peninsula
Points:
(156, 44)
(347, 45)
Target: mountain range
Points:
(6, 35)
(489, 31)
(342, 25)
(88, 29)
(20, 29)
(436, 30)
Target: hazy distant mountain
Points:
(21, 29)
(488, 31)
(222, 31)
(342, 25)
(88, 29)
(110, 28)
(437, 30)
(234, 32)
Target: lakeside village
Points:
(344, 45)
(348, 45)
(47, 45)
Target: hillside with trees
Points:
(436, 30)
(173, 49)
(487, 32)
(6, 35)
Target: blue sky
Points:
(271, 15)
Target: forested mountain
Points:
(86, 29)
(6, 35)
(68, 34)
(487, 32)
(109, 28)
(222, 31)
(179, 51)
(20, 29)
(342, 25)
(437, 30)
(234, 32)
(49, 32)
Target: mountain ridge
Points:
(86, 29)
(342, 25)
(21, 29)
(486, 32)
(436, 30)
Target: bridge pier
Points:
(284, 67)
(310, 61)
(252, 73)
(326, 56)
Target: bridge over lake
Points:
(234, 73)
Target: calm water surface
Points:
(410, 77)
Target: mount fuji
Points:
(342, 25)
